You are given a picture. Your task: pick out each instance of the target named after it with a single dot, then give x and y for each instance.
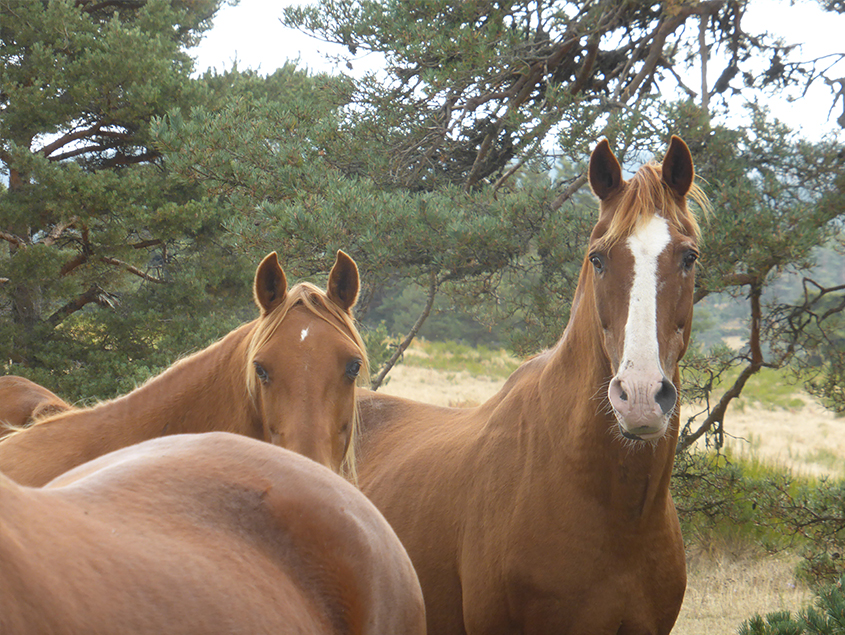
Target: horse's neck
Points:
(203, 392)
(572, 389)
(197, 394)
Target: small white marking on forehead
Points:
(304, 334)
(646, 245)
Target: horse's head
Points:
(642, 262)
(304, 360)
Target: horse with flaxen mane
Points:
(547, 508)
(287, 377)
(201, 534)
(22, 402)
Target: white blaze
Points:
(646, 245)
(303, 334)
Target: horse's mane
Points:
(315, 300)
(647, 194)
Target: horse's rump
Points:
(210, 533)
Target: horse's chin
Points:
(644, 433)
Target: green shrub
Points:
(827, 617)
(733, 504)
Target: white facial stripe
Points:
(646, 245)
(303, 334)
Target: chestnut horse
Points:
(201, 534)
(287, 377)
(23, 401)
(547, 508)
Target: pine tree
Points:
(90, 218)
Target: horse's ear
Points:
(605, 172)
(271, 285)
(678, 172)
(343, 282)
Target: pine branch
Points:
(132, 269)
(11, 238)
(93, 294)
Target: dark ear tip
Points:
(270, 258)
(678, 143)
(342, 256)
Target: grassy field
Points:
(455, 358)
(774, 423)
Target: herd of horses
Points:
(544, 510)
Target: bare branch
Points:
(69, 138)
(717, 414)
(93, 294)
(155, 242)
(59, 229)
(131, 269)
(389, 364)
(569, 192)
(17, 241)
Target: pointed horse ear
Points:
(343, 282)
(605, 172)
(271, 285)
(678, 172)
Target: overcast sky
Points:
(252, 34)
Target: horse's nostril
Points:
(623, 396)
(666, 396)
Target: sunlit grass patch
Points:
(769, 388)
(455, 357)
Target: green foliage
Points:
(778, 623)
(379, 345)
(719, 499)
(731, 504)
(455, 176)
(827, 617)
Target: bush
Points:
(726, 504)
(827, 617)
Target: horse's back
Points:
(211, 533)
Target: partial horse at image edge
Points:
(547, 510)
(22, 402)
(201, 534)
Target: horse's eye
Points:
(689, 260)
(262, 373)
(353, 368)
(597, 261)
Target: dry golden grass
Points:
(723, 589)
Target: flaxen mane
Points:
(647, 194)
